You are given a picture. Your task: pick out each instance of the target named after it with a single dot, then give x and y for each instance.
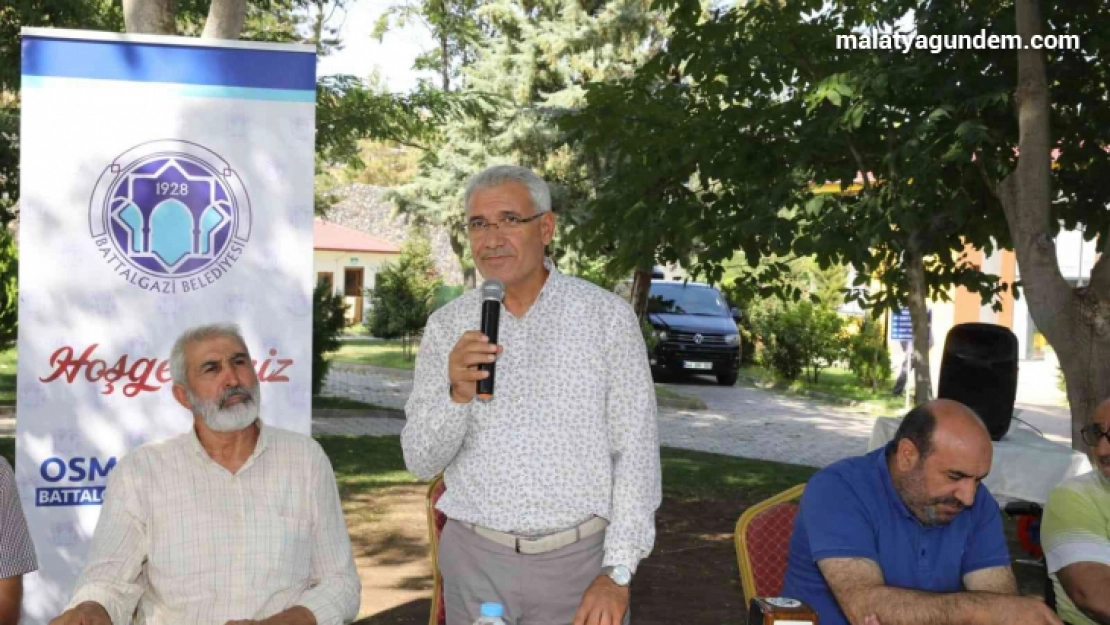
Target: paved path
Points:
(738, 421)
(753, 423)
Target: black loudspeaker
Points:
(979, 370)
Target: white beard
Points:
(231, 419)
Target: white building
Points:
(349, 260)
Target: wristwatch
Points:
(620, 574)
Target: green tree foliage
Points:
(327, 326)
(769, 110)
(918, 149)
(533, 62)
(384, 164)
(455, 26)
(404, 294)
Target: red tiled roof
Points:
(334, 237)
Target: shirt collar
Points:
(550, 285)
(554, 278)
(260, 446)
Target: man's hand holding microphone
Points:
(470, 366)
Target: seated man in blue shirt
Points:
(906, 535)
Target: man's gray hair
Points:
(196, 334)
(502, 174)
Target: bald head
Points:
(940, 454)
(949, 420)
(957, 421)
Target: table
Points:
(1026, 466)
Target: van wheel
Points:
(727, 379)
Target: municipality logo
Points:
(170, 216)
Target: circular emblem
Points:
(698, 338)
(170, 216)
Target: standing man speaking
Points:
(552, 485)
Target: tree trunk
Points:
(150, 17)
(919, 319)
(458, 246)
(225, 19)
(1076, 322)
(444, 62)
(641, 286)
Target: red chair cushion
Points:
(768, 540)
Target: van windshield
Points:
(677, 299)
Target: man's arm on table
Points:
(859, 588)
(1086, 584)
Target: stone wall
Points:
(365, 208)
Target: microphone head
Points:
(493, 290)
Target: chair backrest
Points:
(763, 543)
(436, 521)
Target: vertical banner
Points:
(165, 182)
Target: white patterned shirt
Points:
(570, 432)
(17, 552)
(186, 541)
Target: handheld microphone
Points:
(492, 293)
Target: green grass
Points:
(7, 377)
(342, 403)
(356, 330)
(698, 475)
(367, 463)
(833, 381)
(669, 394)
(380, 353)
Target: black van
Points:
(696, 330)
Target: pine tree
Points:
(531, 67)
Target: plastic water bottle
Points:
(490, 614)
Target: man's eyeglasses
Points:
(1092, 433)
(508, 223)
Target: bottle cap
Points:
(491, 609)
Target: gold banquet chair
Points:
(762, 545)
(436, 521)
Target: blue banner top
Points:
(145, 61)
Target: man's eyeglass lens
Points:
(510, 222)
(1092, 433)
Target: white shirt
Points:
(570, 432)
(187, 541)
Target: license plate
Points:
(697, 365)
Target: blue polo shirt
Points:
(851, 510)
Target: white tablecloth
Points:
(1026, 466)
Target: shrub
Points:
(9, 291)
(868, 356)
(799, 337)
(327, 326)
(404, 294)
